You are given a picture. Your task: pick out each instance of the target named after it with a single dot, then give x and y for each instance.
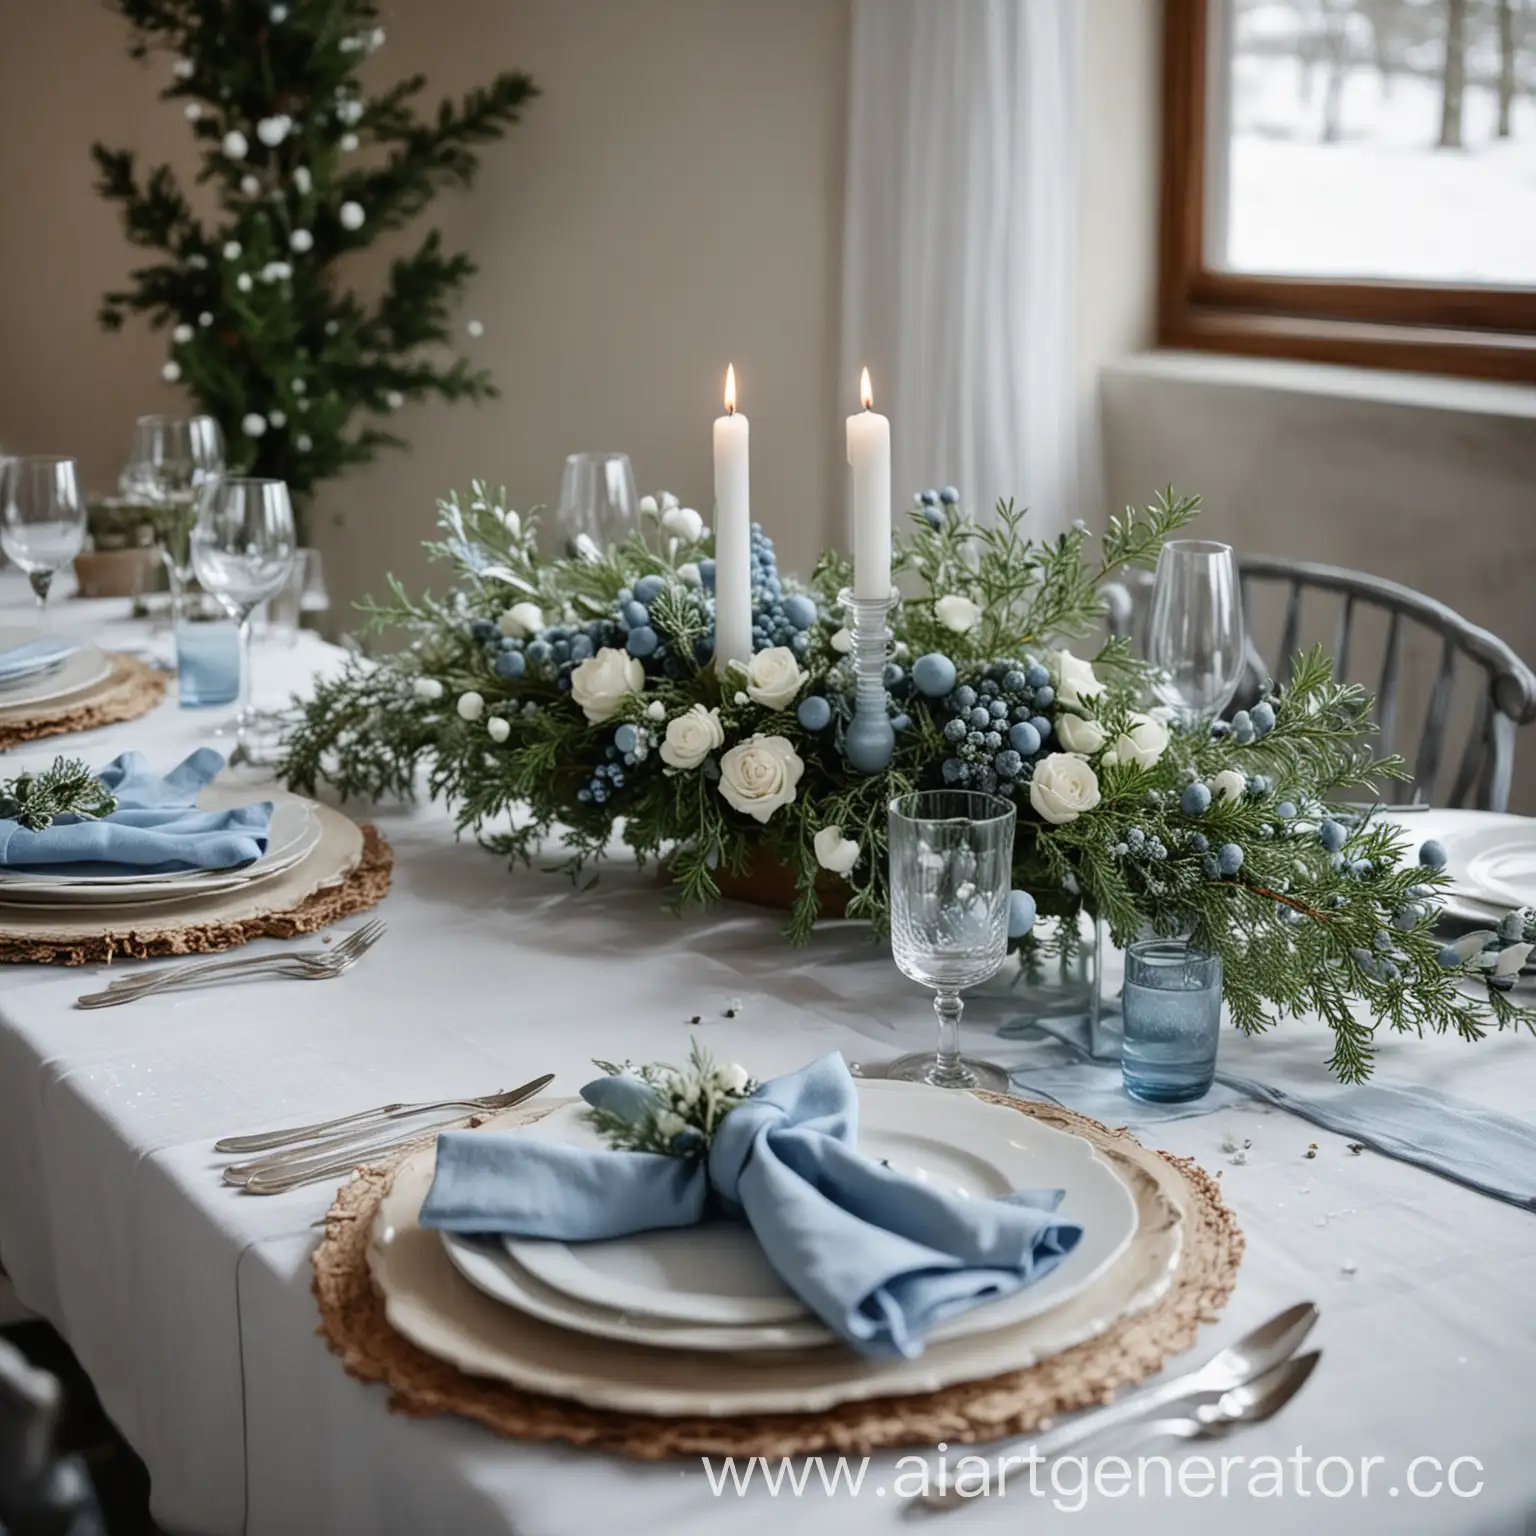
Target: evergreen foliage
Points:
(303, 166)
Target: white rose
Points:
(1063, 788)
(682, 523)
(1075, 680)
(648, 506)
(471, 706)
(774, 678)
(521, 619)
(1228, 785)
(688, 574)
(842, 642)
(602, 682)
(1079, 735)
(733, 1077)
(834, 851)
(691, 737)
(427, 688)
(1143, 743)
(957, 613)
(760, 775)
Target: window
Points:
(1352, 181)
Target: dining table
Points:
(188, 1301)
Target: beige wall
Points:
(672, 201)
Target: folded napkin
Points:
(33, 655)
(155, 829)
(879, 1257)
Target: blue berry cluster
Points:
(932, 504)
(777, 618)
(997, 726)
(631, 744)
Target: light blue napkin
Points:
(155, 829)
(33, 655)
(879, 1257)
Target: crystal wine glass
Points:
(951, 856)
(42, 519)
(598, 502)
(1196, 640)
(243, 550)
(173, 458)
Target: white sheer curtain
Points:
(960, 244)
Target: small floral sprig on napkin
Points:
(679, 1115)
(67, 788)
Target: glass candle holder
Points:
(207, 664)
(1171, 1014)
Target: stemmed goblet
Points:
(42, 519)
(243, 550)
(1196, 640)
(173, 458)
(951, 853)
(598, 503)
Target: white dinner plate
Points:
(1504, 868)
(1475, 849)
(495, 1272)
(717, 1275)
(295, 831)
(14, 673)
(292, 821)
(79, 671)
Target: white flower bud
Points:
(471, 706)
(351, 215)
(427, 688)
(236, 145)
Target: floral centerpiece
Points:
(581, 694)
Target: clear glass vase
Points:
(1054, 984)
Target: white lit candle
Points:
(733, 534)
(869, 454)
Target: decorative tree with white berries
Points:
(303, 167)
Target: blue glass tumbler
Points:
(1172, 1019)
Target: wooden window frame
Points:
(1482, 332)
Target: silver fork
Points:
(265, 1141)
(367, 1132)
(316, 958)
(306, 965)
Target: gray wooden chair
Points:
(1506, 687)
(41, 1492)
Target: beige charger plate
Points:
(1172, 1194)
(353, 1320)
(348, 871)
(130, 689)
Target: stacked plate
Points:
(1492, 860)
(616, 1324)
(36, 669)
(292, 836)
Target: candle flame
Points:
(730, 389)
(866, 394)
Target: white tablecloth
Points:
(189, 1303)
